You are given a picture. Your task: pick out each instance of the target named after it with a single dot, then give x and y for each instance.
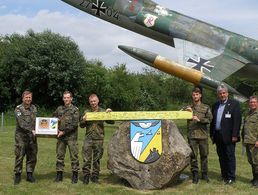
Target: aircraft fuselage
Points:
(150, 19)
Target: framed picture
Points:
(46, 126)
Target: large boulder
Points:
(174, 159)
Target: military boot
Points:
(205, 177)
(252, 181)
(195, 177)
(75, 177)
(17, 178)
(30, 177)
(255, 182)
(59, 176)
(95, 179)
(86, 179)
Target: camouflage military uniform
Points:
(92, 149)
(198, 136)
(25, 142)
(250, 136)
(68, 122)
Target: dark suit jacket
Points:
(230, 126)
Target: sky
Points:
(98, 39)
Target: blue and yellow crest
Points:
(146, 140)
(53, 123)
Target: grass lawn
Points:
(45, 172)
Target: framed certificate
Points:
(46, 126)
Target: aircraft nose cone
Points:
(127, 49)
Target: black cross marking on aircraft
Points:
(201, 64)
(99, 8)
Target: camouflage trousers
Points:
(27, 145)
(92, 152)
(60, 154)
(202, 146)
(252, 156)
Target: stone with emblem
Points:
(148, 154)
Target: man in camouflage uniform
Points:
(92, 149)
(25, 140)
(68, 116)
(250, 137)
(198, 135)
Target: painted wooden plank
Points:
(139, 115)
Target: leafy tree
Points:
(125, 90)
(177, 89)
(160, 90)
(45, 63)
(4, 89)
(96, 81)
(152, 94)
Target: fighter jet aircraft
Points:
(210, 52)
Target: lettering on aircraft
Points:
(150, 20)
(201, 64)
(100, 8)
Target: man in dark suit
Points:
(225, 131)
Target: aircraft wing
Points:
(216, 64)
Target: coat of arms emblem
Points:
(146, 140)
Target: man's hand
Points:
(109, 110)
(189, 109)
(60, 133)
(234, 139)
(195, 118)
(256, 144)
(33, 133)
(84, 117)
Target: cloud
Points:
(96, 38)
(2, 7)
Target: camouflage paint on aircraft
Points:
(146, 140)
(215, 52)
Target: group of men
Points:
(224, 119)
(69, 118)
(225, 124)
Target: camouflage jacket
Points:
(68, 119)
(199, 129)
(94, 129)
(250, 128)
(25, 118)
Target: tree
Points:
(96, 81)
(125, 90)
(160, 91)
(4, 90)
(45, 63)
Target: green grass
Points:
(110, 184)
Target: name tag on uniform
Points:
(227, 115)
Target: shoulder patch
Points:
(18, 110)
(19, 106)
(18, 113)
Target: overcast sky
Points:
(99, 39)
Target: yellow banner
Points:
(146, 115)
